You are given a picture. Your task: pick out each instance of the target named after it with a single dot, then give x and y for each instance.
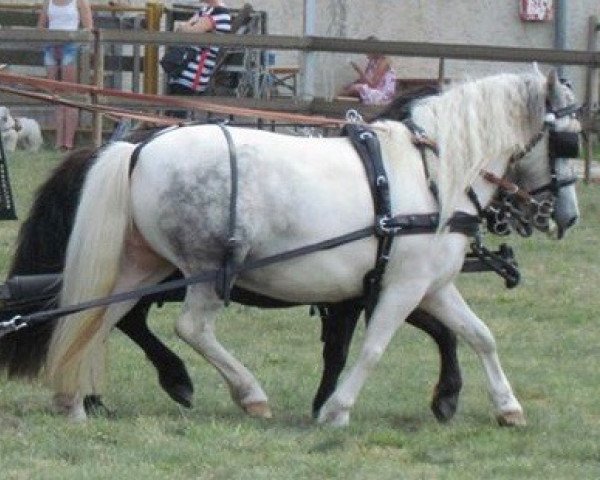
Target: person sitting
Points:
(213, 15)
(376, 84)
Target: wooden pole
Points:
(589, 97)
(98, 82)
(309, 58)
(154, 12)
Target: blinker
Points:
(563, 144)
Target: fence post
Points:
(441, 71)
(98, 82)
(309, 58)
(589, 97)
(154, 11)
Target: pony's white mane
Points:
(476, 123)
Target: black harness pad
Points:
(367, 146)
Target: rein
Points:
(385, 228)
(152, 99)
(407, 224)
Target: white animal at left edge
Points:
(19, 132)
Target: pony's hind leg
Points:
(449, 307)
(196, 326)
(172, 374)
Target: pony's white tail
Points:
(75, 357)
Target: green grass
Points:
(548, 335)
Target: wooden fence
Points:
(101, 39)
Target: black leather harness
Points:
(386, 226)
(366, 143)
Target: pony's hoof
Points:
(339, 418)
(444, 408)
(512, 419)
(178, 386)
(70, 407)
(94, 406)
(258, 410)
(182, 394)
(77, 415)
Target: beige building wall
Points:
(477, 22)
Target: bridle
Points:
(506, 213)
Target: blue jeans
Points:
(60, 54)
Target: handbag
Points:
(176, 59)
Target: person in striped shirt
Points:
(213, 16)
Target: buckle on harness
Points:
(12, 325)
(381, 181)
(353, 116)
(382, 228)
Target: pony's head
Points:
(492, 122)
(547, 172)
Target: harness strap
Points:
(459, 223)
(138, 148)
(225, 275)
(367, 146)
(506, 186)
(423, 143)
(475, 201)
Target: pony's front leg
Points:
(449, 307)
(196, 326)
(395, 303)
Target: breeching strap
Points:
(225, 274)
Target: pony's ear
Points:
(552, 79)
(536, 69)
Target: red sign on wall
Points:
(536, 10)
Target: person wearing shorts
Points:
(61, 59)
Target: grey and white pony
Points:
(173, 211)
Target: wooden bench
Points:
(280, 79)
(408, 84)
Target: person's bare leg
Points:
(59, 117)
(71, 115)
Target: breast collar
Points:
(387, 227)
